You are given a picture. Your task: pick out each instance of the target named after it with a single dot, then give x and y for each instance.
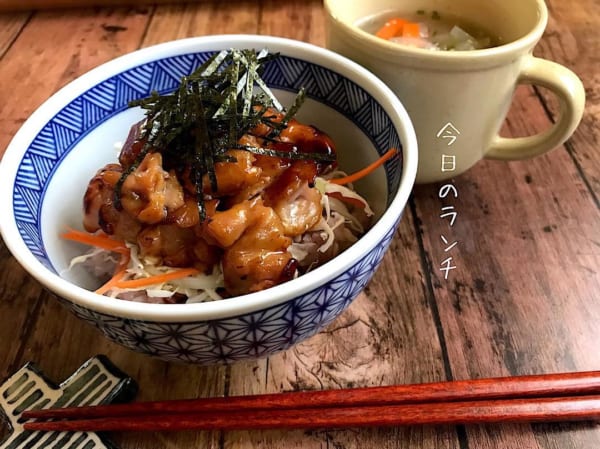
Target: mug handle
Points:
(571, 95)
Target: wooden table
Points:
(523, 299)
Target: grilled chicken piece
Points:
(149, 193)
(293, 198)
(233, 176)
(255, 255)
(177, 247)
(99, 210)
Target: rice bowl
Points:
(65, 141)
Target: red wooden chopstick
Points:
(522, 398)
(473, 412)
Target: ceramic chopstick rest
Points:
(97, 381)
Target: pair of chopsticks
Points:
(538, 398)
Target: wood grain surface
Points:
(522, 300)
(28, 5)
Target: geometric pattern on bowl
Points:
(60, 135)
(252, 335)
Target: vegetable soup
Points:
(430, 30)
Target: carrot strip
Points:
(120, 272)
(391, 28)
(158, 279)
(365, 171)
(353, 201)
(411, 30)
(98, 240)
(105, 242)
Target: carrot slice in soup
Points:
(411, 30)
(391, 28)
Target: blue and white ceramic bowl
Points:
(49, 162)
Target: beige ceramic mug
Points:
(458, 100)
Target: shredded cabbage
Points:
(325, 187)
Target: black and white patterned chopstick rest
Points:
(97, 381)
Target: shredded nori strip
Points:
(212, 108)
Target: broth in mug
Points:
(431, 30)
